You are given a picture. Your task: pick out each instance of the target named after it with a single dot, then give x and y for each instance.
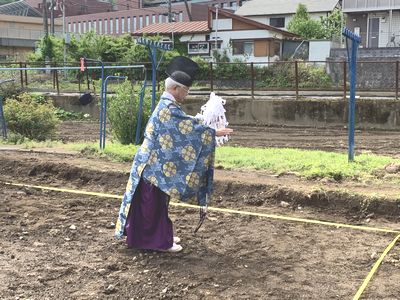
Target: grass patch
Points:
(113, 151)
(304, 163)
(26, 143)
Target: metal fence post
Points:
(54, 75)
(26, 76)
(57, 82)
(252, 80)
(296, 74)
(397, 80)
(344, 79)
(211, 77)
(158, 80)
(21, 73)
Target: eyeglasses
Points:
(184, 88)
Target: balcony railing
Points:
(370, 5)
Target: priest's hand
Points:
(223, 131)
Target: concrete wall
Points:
(370, 113)
(382, 114)
(19, 34)
(376, 71)
(71, 103)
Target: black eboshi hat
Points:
(182, 70)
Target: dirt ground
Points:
(60, 245)
(328, 139)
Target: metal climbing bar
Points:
(153, 46)
(70, 68)
(103, 111)
(3, 126)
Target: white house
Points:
(238, 36)
(246, 39)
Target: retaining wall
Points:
(325, 112)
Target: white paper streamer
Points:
(213, 115)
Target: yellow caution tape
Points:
(248, 213)
(374, 268)
(223, 210)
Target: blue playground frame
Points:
(352, 59)
(103, 103)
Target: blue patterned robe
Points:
(177, 156)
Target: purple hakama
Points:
(148, 225)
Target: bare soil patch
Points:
(382, 142)
(60, 245)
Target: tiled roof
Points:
(178, 27)
(256, 24)
(19, 8)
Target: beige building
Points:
(18, 35)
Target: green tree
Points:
(333, 23)
(49, 47)
(303, 25)
(123, 110)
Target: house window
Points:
(134, 24)
(212, 45)
(277, 22)
(159, 18)
(276, 49)
(153, 19)
(122, 25)
(89, 25)
(116, 25)
(181, 17)
(105, 26)
(69, 27)
(95, 26)
(111, 26)
(243, 47)
(140, 22)
(147, 20)
(100, 26)
(128, 21)
(198, 48)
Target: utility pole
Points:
(169, 11)
(45, 24)
(64, 36)
(188, 11)
(52, 17)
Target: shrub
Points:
(313, 77)
(31, 117)
(282, 75)
(236, 70)
(279, 75)
(123, 109)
